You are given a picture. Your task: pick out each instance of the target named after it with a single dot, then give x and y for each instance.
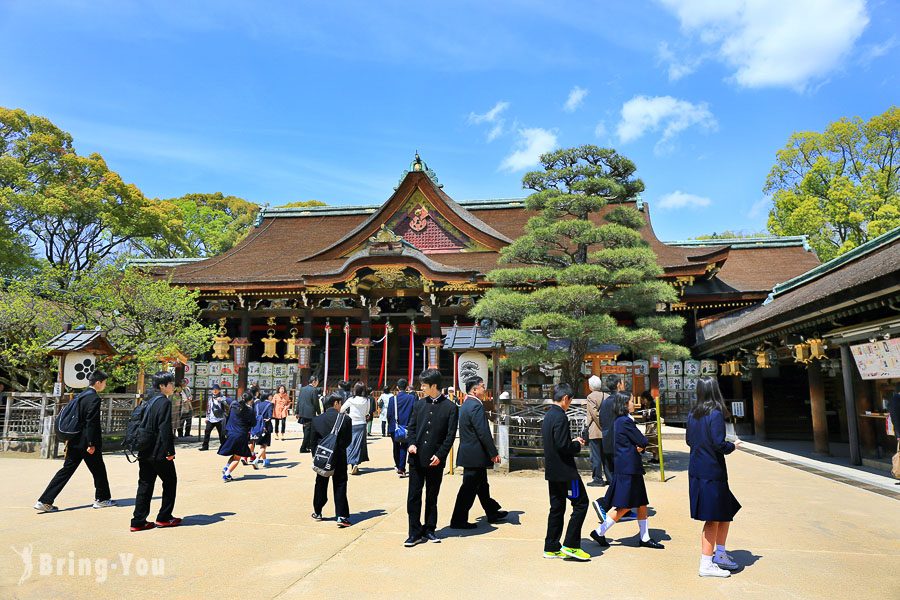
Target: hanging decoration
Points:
(412, 350)
(362, 346)
(241, 348)
(327, 355)
(270, 349)
(304, 353)
(433, 346)
(220, 342)
(382, 375)
(347, 350)
(290, 343)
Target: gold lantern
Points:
(762, 359)
(433, 346)
(220, 342)
(241, 352)
(362, 346)
(734, 367)
(303, 352)
(270, 344)
(801, 353)
(817, 349)
(291, 345)
(726, 368)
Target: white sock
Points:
(605, 525)
(705, 561)
(720, 549)
(645, 531)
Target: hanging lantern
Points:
(817, 349)
(734, 367)
(725, 369)
(801, 353)
(762, 358)
(433, 345)
(290, 351)
(303, 352)
(362, 346)
(270, 344)
(241, 352)
(220, 343)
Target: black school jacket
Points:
(432, 429)
(559, 447)
(159, 420)
(476, 444)
(89, 415)
(322, 426)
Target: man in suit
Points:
(432, 431)
(399, 411)
(477, 454)
(322, 426)
(614, 384)
(87, 447)
(158, 460)
(563, 480)
(307, 409)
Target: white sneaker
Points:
(713, 570)
(104, 503)
(44, 508)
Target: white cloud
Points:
(874, 51)
(531, 144)
(760, 207)
(678, 66)
(576, 97)
(600, 130)
(773, 42)
(679, 199)
(490, 116)
(642, 114)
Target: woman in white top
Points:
(383, 401)
(357, 406)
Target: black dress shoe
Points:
(498, 516)
(651, 543)
(600, 539)
(595, 483)
(463, 526)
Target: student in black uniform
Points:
(627, 490)
(711, 498)
(320, 429)
(563, 480)
(432, 431)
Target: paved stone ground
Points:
(799, 535)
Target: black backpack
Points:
(138, 435)
(68, 421)
(322, 457)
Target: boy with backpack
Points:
(156, 455)
(79, 424)
(322, 427)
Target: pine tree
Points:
(576, 278)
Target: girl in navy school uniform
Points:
(627, 490)
(240, 420)
(711, 498)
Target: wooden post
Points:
(514, 375)
(109, 414)
(817, 408)
(759, 406)
(6, 416)
(847, 368)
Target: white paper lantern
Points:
(77, 369)
(471, 364)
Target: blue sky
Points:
(284, 101)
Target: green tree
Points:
(209, 224)
(16, 257)
(304, 204)
(74, 208)
(594, 280)
(840, 187)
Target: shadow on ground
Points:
(201, 520)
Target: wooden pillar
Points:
(737, 388)
(862, 393)
(759, 407)
(365, 331)
(847, 368)
(514, 384)
(817, 408)
(242, 372)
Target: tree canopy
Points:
(304, 204)
(841, 187)
(592, 278)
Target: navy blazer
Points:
(706, 437)
(627, 460)
(476, 443)
(404, 402)
(559, 447)
(321, 428)
(607, 418)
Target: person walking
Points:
(383, 402)
(432, 431)
(477, 454)
(627, 490)
(615, 384)
(711, 499)
(240, 419)
(322, 426)
(281, 402)
(307, 408)
(216, 406)
(399, 410)
(595, 432)
(185, 411)
(357, 406)
(370, 416)
(261, 433)
(563, 480)
(87, 446)
(158, 461)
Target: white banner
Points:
(880, 360)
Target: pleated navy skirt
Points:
(235, 445)
(712, 500)
(627, 491)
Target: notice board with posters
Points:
(878, 360)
